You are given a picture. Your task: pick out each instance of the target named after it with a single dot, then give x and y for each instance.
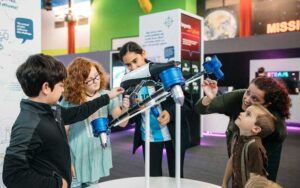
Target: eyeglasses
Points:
(91, 81)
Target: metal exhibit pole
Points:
(178, 145)
(147, 147)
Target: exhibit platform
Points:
(154, 182)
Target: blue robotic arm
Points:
(168, 75)
(149, 71)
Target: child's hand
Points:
(164, 118)
(73, 171)
(64, 183)
(115, 92)
(125, 103)
(138, 100)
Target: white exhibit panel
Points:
(160, 35)
(177, 35)
(281, 66)
(20, 36)
(215, 123)
(155, 182)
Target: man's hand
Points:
(164, 118)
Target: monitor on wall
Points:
(289, 78)
(117, 75)
(117, 70)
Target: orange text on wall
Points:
(282, 27)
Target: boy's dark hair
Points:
(37, 70)
(130, 47)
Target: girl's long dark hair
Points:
(130, 47)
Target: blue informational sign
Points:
(24, 29)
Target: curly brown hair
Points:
(78, 72)
(276, 94)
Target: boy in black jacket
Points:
(38, 154)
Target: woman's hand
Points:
(210, 88)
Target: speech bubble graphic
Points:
(24, 29)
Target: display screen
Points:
(289, 78)
(294, 75)
(117, 73)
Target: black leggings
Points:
(156, 155)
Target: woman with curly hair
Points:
(262, 90)
(90, 161)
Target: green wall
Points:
(120, 18)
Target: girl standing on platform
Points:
(90, 161)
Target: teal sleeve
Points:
(114, 103)
(64, 103)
